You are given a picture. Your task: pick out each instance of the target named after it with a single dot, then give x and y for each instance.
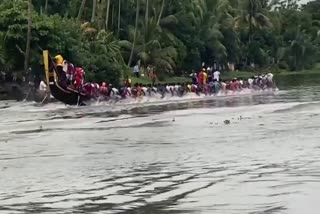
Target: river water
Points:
(172, 157)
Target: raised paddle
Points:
(44, 99)
(27, 95)
(79, 91)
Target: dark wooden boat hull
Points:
(62, 93)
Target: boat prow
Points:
(61, 93)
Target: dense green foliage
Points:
(107, 37)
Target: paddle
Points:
(79, 91)
(27, 95)
(44, 99)
(30, 89)
(78, 99)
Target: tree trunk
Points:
(83, 3)
(107, 14)
(146, 24)
(94, 7)
(27, 56)
(135, 32)
(251, 5)
(46, 7)
(101, 14)
(147, 12)
(161, 11)
(119, 16)
(112, 16)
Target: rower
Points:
(144, 89)
(95, 90)
(79, 76)
(104, 89)
(223, 86)
(70, 73)
(250, 82)
(42, 86)
(194, 77)
(270, 80)
(115, 91)
(127, 82)
(110, 92)
(58, 60)
(87, 89)
(216, 86)
(189, 87)
(201, 77)
(181, 90)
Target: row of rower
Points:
(203, 82)
(106, 92)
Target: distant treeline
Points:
(107, 37)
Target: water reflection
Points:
(175, 158)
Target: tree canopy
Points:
(107, 37)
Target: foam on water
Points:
(85, 161)
(156, 99)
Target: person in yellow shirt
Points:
(59, 60)
(205, 77)
(127, 82)
(59, 68)
(189, 87)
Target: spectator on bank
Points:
(136, 71)
(3, 75)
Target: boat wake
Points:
(157, 99)
(97, 107)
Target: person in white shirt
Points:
(65, 66)
(136, 70)
(269, 77)
(42, 86)
(145, 90)
(224, 87)
(250, 82)
(216, 75)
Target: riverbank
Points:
(229, 75)
(11, 90)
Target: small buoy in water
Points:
(227, 122)
(173, 120)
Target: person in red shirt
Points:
(233, 85)
(79, 76)
(104, 89)
(200, 78)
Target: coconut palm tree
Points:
(94, 8)
(148, 48)
(255, 16)
(83, 3)
(252, 13)
(207, 18)
(119, 15)
(107, 14)
(135, 32)
(27, 53)
(46, 6)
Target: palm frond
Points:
(170, 20)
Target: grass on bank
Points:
(227, 76)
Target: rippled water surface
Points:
(172, 157)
